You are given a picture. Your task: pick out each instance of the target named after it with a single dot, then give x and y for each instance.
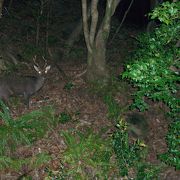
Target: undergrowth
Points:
(18, 163)
(87, 156)
(154, 67)
(24, 130)
(131, 156)
(172, 157)
(154, 71)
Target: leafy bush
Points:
(155, 72)
(155, 69)
(172, 157)
(128, 155)
(64, 117)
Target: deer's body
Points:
(21, 85)
(25, 86)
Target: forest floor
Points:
(92, 115)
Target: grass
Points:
(87, 155)
(24, 130)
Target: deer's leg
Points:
(26, 99)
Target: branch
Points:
(115, 4)
(110, 9)
(124, 17)
(94, 20)
(85, 24)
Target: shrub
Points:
(127, 155)
(172, 157)
(154, 69)
(155, 72)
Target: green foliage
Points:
(147, 171)
(172, 157)
(17, 163)
(57, 174)
(68, 86)
(86, 154)
(155, 72)
(130, 157)
(23, 130)
(166, 13)
(127, 155)
(64, 117)
(113, 107)
(155, 69)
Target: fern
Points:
(16, 164)
(86, 151)
(23, 130)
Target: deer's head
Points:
(41, 70)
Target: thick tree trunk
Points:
(96, 68)
(96, 39)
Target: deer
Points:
(25, 86)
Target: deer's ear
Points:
(47, 68)
(37, 69)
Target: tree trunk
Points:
(96, 62)
(96, 39)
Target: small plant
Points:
(68, 86)
(127, 155)
(172, 157)
(147, 171)
(87, 156)
(113, 108)
(64, 117)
